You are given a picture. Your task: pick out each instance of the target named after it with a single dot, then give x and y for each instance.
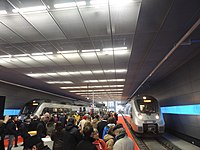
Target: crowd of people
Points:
(68, 132)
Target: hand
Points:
(6, 119)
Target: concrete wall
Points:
(182, 87)
(16, 97)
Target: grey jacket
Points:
(124, 143)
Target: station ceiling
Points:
(109, 49)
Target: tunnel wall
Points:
(182, 87)
(16, 96)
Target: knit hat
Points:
(118, 126)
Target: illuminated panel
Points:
(185, 109)
(11, 112)
(147, 101)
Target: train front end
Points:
(146, 116)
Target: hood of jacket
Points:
(69, 126)
(108, 137)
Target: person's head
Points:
(105, 117)
(111, 120)
(59, 126)
(16, 118)
(95, 134)
(87, 130)
(118, 129)
(72, 120)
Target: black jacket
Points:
(100, 127)
(57, 137)
(71, 137)
(86, 144)
(41, 129)
(11, 128)
(2, 130)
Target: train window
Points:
(29, 108)
(49, 110)
(149, 106)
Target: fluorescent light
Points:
(67, 52)
(36, 74)
(107, 49)
(71, 4)
(120, 48)
(45, 53)
(63, 73)
(91, 87)
(98, 90)
(121, 70)
(52, 74)
(86, 72)
(109, 80)
(91, 50)
(21, 55)
(97, 71)
(73, 87)
(100, 93)
(90, 81)
(59, 82)
(5, 56)
(3, 12)
(74, 73)
(107, 71)
(29, 9)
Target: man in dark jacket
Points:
(71, 135)
(87, 142)
(101, 125)
(41, 128)
(11, 131)
(2, 131)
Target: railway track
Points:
(159, 143)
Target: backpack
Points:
(105, 131)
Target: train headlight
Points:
(157, 116)
(140, 116)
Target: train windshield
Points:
(147, 105)
(29, 108)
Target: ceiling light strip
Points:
(91, 50)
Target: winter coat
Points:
(100, 127)
(86, 144)
(2, 130)
(100, 144)
(124, 143)
(71, 137)
(57, 137)
(41, 129)
(109, 139)
(11, 128)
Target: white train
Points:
(144, 115)
(39, 107)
